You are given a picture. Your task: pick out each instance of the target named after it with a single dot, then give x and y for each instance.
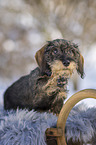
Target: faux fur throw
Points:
(22, 127)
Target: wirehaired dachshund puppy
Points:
(44, 89)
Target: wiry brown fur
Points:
(59, 70)
(45, 88)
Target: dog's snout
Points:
(66, 63)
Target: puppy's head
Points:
(61, 52)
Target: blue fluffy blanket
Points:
(23, 127)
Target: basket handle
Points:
(70, 103)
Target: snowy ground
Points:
(88, 82)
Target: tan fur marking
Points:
(62, 95)
(58, 69)
(51, 86)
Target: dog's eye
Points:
(55, 51)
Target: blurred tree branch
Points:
(25, 25)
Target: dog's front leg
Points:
(58, 103)
(61, 95)
(51, 87)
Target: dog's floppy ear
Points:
(81, 66)
(39, 56)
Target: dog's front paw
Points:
(61, 81)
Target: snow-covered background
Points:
(26, 25)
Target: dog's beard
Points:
(59, 77)
(59, 69)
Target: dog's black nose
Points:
(66, 62)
